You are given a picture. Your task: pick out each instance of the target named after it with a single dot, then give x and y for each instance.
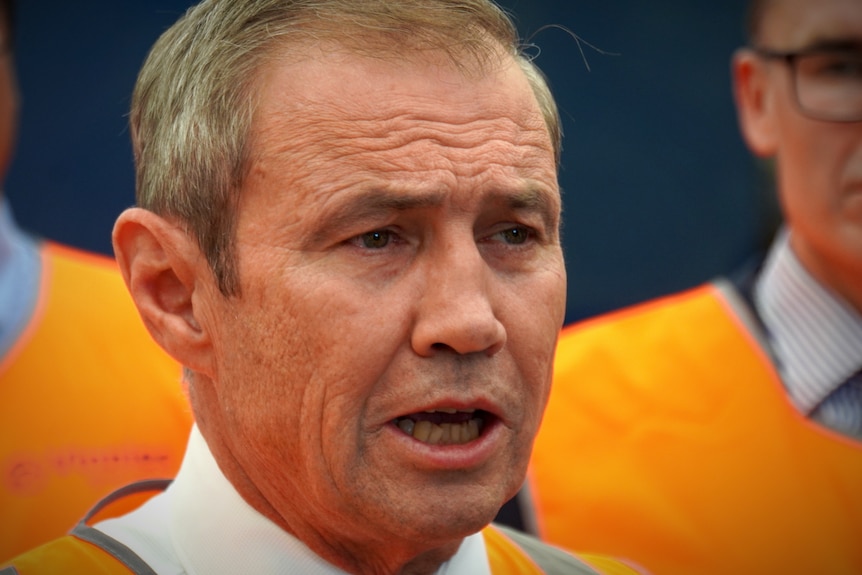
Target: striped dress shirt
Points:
(816, 337)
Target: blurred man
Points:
(348, 233)
(720, 430)
(88, 401)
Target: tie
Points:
(842, 409)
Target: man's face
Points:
(819, 163)
(385, 370)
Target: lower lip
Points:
(450, 457)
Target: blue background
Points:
(660, 192)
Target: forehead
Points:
(338, 93)
(795, 24)
(334, 121)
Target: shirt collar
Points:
(214, 531)
(815, 334)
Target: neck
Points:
(391, 561)
(349, 546)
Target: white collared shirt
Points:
(201, 526)
(815, 335)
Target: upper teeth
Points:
(443, 433)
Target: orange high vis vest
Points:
(88, 402)
(669, 439)
(89, 551)
(84, 554)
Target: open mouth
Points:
(444, 426)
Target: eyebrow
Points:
(833, 45)
(372, 204)
(377, 203)
(530, 200)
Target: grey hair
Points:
(193, 102)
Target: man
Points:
(88, 401)
(720, 430)
(348, 233)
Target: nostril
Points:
(490, 351)
(496, 348)
(441, 347)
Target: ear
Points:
(163, 266)
(754, 102)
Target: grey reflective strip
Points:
(113, 547)
(8, 571)
(130, 489)
(108, 544)
(551, 560)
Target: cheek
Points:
(264, 353)
(542, 304)
(533, 325)
(807, 187)
(322, 346)
(282, 397)
(813, 160)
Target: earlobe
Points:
(160, 263)
(753, 103)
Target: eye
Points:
(375, 240)
(516, 235)
(836, 65)
(847, 67)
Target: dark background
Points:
(660, 193)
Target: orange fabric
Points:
(505, 557)
(669, 440)
(73, 556)
(608, 566)
(88, 402)
(69, 556)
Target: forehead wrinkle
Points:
(335, 145)
(412, 151)
(307, 130)
(425, 146)
(381, 134)
(343, 118)
(382, 104)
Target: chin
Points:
(444, 528)
(452, 516)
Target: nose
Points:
(456, 310)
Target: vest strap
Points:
(131, 489)
(108, 544)
(548, 559)
(112, 547)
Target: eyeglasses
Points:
(827, 82)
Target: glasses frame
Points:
(791, 58)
